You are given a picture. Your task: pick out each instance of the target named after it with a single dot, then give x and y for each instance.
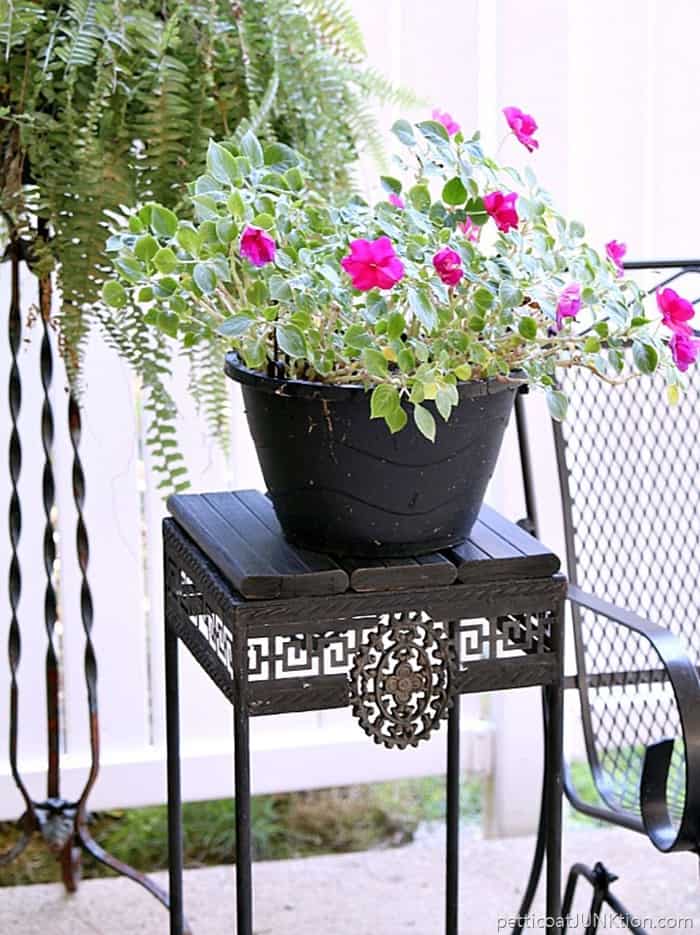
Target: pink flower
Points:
(569, 304)
(447, 263)
(501, 207)
(446, 120)
(396, 200)
(685, 349)
(675, 310)
(470, 230)
(616, 252)
(373, 264)
(523, 126)
(257, 246)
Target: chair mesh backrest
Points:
(633, 469)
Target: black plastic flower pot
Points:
(340, 482)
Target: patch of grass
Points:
(300, 824)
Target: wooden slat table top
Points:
(240, 534)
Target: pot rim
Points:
(306, 389)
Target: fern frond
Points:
(337, 26)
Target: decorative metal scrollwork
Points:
(401, 680)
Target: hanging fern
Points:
(106, 104)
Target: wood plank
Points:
(498, 549)
(396, 574)
(519, 538)
(322, 574)
(255, 558)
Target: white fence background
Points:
(613, 87)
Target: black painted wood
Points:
(498, 549)
(395, 574)
(240, 535)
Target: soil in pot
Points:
(341, 483)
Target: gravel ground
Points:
(386, 892)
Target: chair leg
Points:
(600, 879)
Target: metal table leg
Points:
(244, 883)
(172, 721)
(553, 780)
(453, 782)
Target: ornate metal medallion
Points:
(400, 682)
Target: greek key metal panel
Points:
(504, 637)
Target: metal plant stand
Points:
(63, 824)
(279, 630)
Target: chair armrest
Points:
(683, 678)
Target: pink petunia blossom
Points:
(470, 230)
(448, 266)
(685, 349)
(396, 200)
(373, 264)
(676, 311)
(446, 120)
(615, 252)
(501, 207)
(257, 246)
(569, 303)
(523, 127)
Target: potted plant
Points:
(380, 347)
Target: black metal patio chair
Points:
(628, 466)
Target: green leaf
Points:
(294, 179)
(396, 419)
(406, 360)
(221, 163)
(376, 306)
(236, 326)
(165, 260)
(291, 341)
(189, 240)
(236, 205)
(280, 157)
(205, 278)
(390, 184)
(422, 307)
(476, 323)
(645, 356)
(483, 299)
(463, 372)
(444, 402)
(434, 131)
(591, 345)
(454, 192)
(264, 221)
(476, 211)
(114, 294)
(146, 247)
(280, 290)
(163, 221)
(169, 323)
(375, 362)
(251, 149)
(424, 421)
(257, 293)
(403, 131)
(385, 398)
(528, 328)
(419, 197)
(509, 294)
(557, 403)
(396, 326)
